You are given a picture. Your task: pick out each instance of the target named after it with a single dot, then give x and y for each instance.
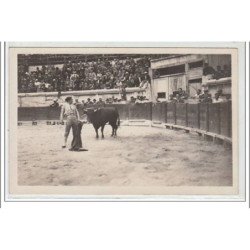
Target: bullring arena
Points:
(140, 155)
(175, 112)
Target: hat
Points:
(67, 99)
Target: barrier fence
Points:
(214, 117)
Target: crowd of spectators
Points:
(103, 73)
(99, 102)
(180, 96)
(218, 73)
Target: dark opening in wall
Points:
(194, 65)
(169, 71)
(161, 95)
(197, 80)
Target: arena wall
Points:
(212, 118)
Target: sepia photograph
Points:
(124, 125)
(123, 122)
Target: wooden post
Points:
(165, 112)
(174, 111)
(151, 108)
(207, 117)
(186, 107)
(129, 112)
(198, 116)
(219, 118)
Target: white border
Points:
(241, 121)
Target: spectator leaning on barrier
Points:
(83, 103)
(197, 95)
(100, 102)
(132, 99)
(218, 73)
(89, 102)
(220, 97)
(217, 98)
(179, 96)
(206, 97)
(55, 104)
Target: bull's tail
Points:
(118, 122)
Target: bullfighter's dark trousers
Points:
(76, 143)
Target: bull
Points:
(101, 116)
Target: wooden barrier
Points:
(214, 118)
(226, 119)
(123, 110)
(204, 117)
(140, 111)
(171, 113)
(181, 114)
(193, 115)
(38, 113)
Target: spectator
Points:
(123, 93)
(180, 91)
(171, 98)
(74, 80)
(206, 97)
(208, 70)
(226, 71)
(217, 98)
(83, 103)
(100, 102)
(132, 99)
(55, 104)
(89, 102)
(178, 98)
(198, 94)
(218, 73)
(144, 84)
(119, 84)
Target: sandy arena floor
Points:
(139, 156)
